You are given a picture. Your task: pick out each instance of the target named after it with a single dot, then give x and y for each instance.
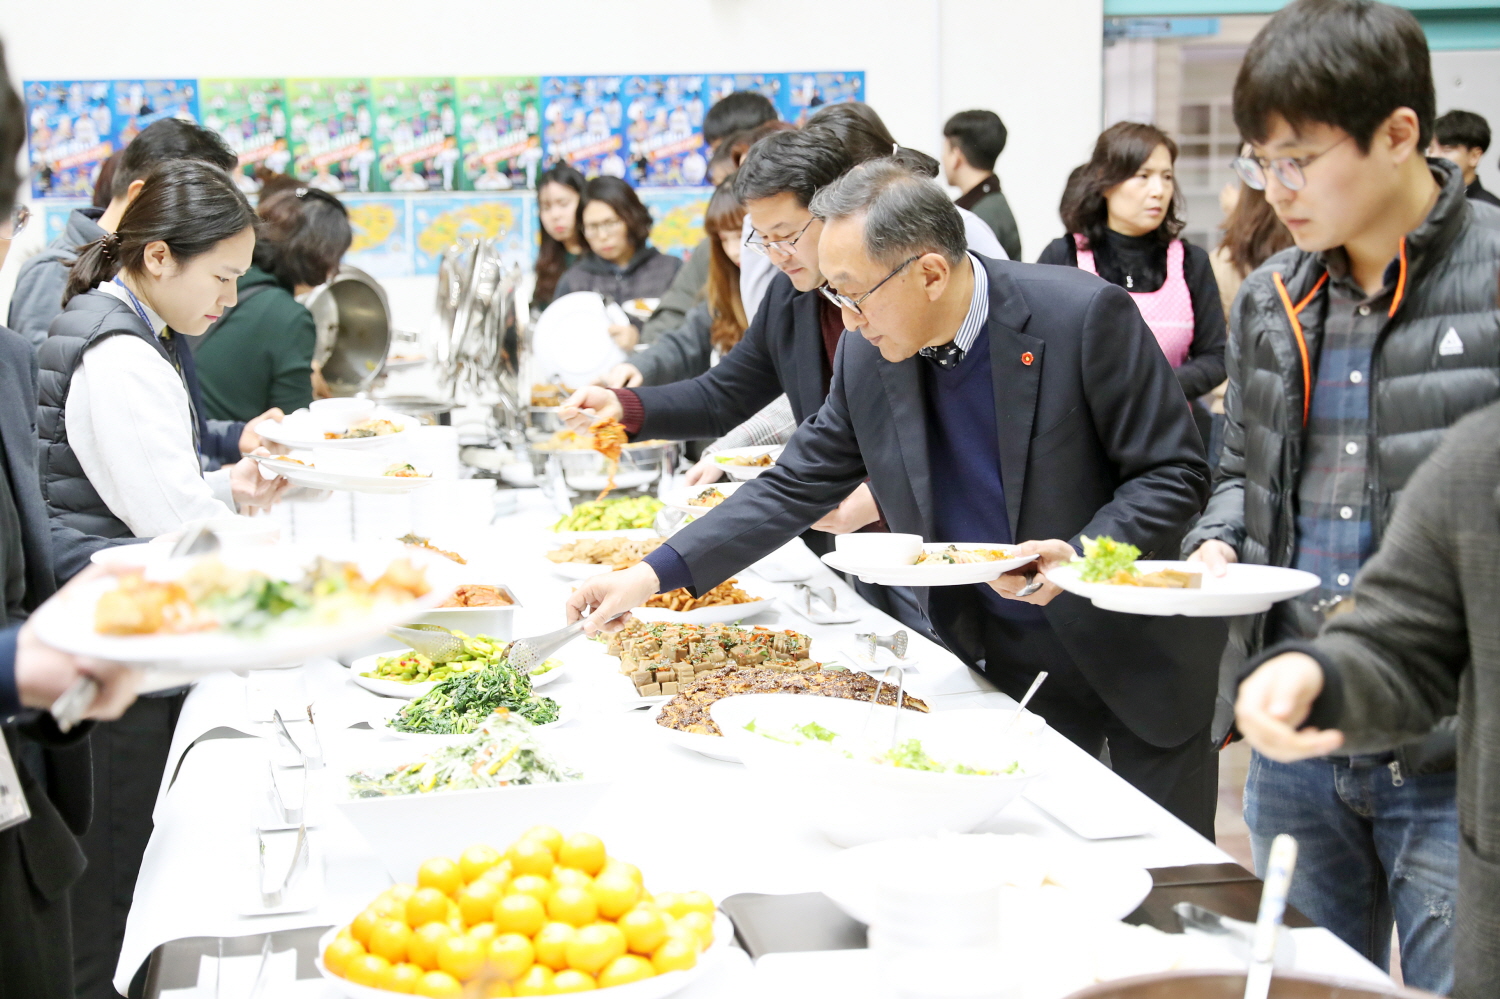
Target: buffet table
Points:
(688, 821)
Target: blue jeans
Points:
(1372, 843)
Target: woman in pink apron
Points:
(1121, 212)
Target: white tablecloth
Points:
(199, 863)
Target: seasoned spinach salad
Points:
(463, 700)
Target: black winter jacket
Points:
(1448, 283)
(648, 275)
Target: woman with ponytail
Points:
(119, 405)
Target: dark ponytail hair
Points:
(187, 204)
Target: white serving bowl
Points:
(853, 801)
(336, 414)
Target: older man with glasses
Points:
(998, 402)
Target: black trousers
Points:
(130, 755)
(1182, 779)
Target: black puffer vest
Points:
(1437, 359)
(88, 319)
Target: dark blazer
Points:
(39, 859)
(782, 351)
(1095, 438)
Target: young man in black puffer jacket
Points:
(1349, 357)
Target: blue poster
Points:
(141, 103)
(70, 130)
(804, 93)
(664, 130)
(583, 123)
(677, 216)
(382, 235)
(438, 222)
(55, 215)
(768, 85)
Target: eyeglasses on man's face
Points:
(785, 247)
(1289, 170)
(11, 228)
(852, 304)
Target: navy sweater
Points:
(963, 448)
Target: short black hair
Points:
(12, 138)
(304, 233)
(979, 135)
(170, 139)
(1462, 128)
(863, 133)
(1346, 63)
(736, 112)
(796, 163)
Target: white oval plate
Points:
(1090, 888)
(715, 747)
(930, 575)
(1244, 589)
(744, 472)
(66, 621)
(720, 613)
(301, 430)
(678, 498)
(409, 691)
(651, 988)
(310, 477)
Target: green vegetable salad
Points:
(611, 515)
(1105, 558)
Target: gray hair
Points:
(905, 214)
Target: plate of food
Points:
(406, 673)
(339, 429)
(747, 462)
(348, 471)
(660, 658)
(589, 556)
(685, 719)
(247, 608)
(1114, 577)
(698, 500)
(917, 564)
(621, 513)
(732, 600)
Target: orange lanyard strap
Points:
(1292, 312)
(1400, 281)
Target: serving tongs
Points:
(431, 640)
(67, 710)
(823, 594)
(896, 643)
(275, 897)
(875, 699)
(289, 813)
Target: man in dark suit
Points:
(39, 857)
(995, 402)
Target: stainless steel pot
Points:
(353, 320)
(566, 474)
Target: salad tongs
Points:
(431, 640)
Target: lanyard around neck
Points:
(135, 303)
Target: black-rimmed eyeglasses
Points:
(852, 304)
(785, 247)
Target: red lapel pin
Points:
(1026, 358)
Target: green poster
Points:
(416, 134)
(251, 115)
(332, 133)
(499, 126)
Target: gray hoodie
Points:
(37, 299)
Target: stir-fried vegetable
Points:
(502, 751)
(611, 515)
(460, 703)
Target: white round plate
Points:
(66, 621)
(720, 613)
(1089, 887)
(929, 575)
(409, 691)
(313, 478)
(678, 498)
(302, 430)
(570, 342)
(743, 472)
(1244, 589)
(715, 747)
(658, 987)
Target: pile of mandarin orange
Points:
(548, 916)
